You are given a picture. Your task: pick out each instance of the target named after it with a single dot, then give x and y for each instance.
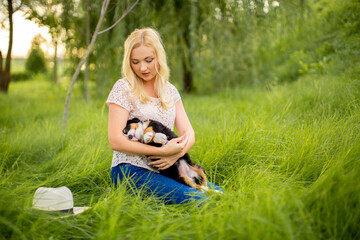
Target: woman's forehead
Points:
(142, 52)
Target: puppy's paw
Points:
(160, 138)
(218, 191)
(209, 191)
(148, 137)
(204, 189)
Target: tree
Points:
(89, 49)
(186, 10)
(36, 61)
(48, 13)
(86, 74)
(5, 76)
(184, 13)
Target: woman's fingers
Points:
(175, 145)
(164, 163)
(160, 164)
(182, 141)
(185, 140)
(177, 140)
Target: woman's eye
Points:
(149, 61)
(135, 62)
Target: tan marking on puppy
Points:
(134, 126)
(189, 182)
(148, 135)
(201, 173)
(149, 129)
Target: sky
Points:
(24, 31)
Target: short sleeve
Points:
(175, 95)
(119, 95)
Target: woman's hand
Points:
(164, 162)
(173, 150)
(174, 146)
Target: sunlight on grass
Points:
(287, 157)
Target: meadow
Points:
(277, 126)
(286, 155)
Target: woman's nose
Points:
(142, 67)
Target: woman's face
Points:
(143, 62)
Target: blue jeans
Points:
(169, 190)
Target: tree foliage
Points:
(211, 45)
(36, 62)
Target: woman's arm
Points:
(118, 117)
(184, 128)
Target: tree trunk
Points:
(5, 80)
(187, 41)
(86, 74)
(188, 79)
(88, 51)
(5, 76)
(1, 68)
(187, 62)
(55, 67)
(82, 61)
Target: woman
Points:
(145, 93)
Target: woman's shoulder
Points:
(120, 88)
(122, 83)
(173, 92)
(171, 87)
(119, 94)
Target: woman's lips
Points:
(145, 74)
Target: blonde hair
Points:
(149, 38)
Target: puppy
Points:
(156, 134)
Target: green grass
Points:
(287, 154)
(287, 157)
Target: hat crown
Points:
(53, 199)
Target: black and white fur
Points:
(156, 134)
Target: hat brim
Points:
(78, 210)
(66, 212)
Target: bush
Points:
(36, 61)
(20, 76)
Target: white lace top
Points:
(149, 110)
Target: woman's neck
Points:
(149, 87)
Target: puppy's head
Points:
(134, 129)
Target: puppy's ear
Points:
(126, 129)
(133, 120)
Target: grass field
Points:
(288, 157)
(286, 148)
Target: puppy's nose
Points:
(130, 136)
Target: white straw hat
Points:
(55, 199)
